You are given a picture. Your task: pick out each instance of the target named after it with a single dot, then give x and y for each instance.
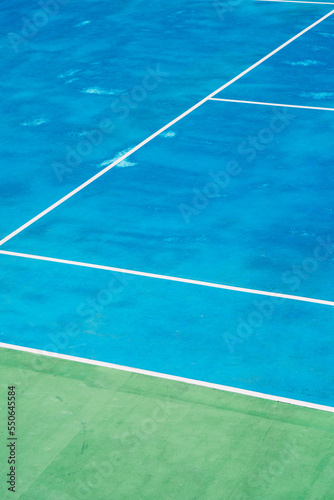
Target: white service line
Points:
(297, 1)
(272, 104)
(175, 378)
(168, 278)
(141, 144)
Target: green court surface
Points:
(88, 432)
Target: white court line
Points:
(272, 104)
(297, 1)
(175, 378)
(168, 278)
(141, 144)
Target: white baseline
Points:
(151, 137)
(175, 378)
(297, 1)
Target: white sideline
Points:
(175, 378)
(272, 103)
(168, 278)
(140, 145)
(297, 1)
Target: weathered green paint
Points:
(86, 432)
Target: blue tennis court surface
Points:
(235, 339)
(302, 74)
(191, 203)
(234, 194)
(96, 80)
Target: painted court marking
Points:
(297, 1)
(168, 377)
(168, 278)
(272, 104)
(151, 137)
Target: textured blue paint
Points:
(302, 73)
(267, 218)
(261, 227)
(170, 327)
(46, 108)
